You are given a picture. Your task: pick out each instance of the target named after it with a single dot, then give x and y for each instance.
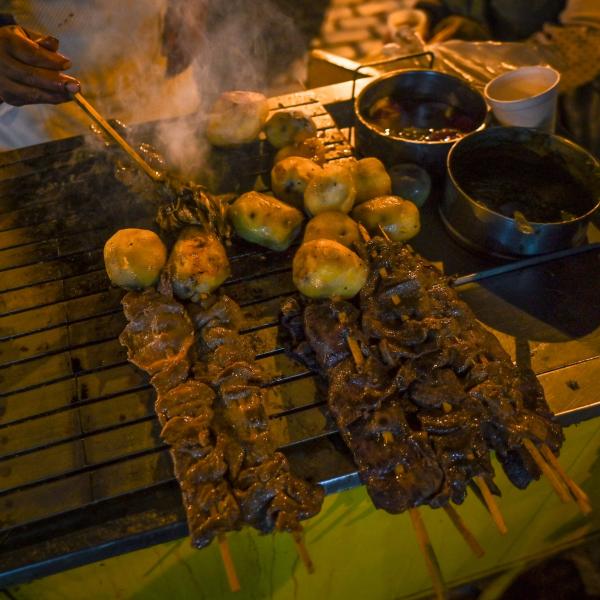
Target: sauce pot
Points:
(512, 192)
(422, 90)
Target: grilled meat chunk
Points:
(159, 331)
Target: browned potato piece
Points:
(399, 218)
(332, 225)
(134, 258)
(198, 263)
(371, 180)
(289, 178)
(236, 118)
(326, 268)
(265, 220)
(312, 148)
(332, 189)
(288, 127)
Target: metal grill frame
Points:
(66, 272)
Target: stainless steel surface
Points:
(475, 224)
(421, 84)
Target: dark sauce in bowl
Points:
(511, 179)
(420, 120)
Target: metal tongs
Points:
(111, 131)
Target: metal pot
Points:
(414, 84)
(512, 170)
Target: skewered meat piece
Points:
(159, 331)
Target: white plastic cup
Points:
(525, 97)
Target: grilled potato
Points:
(265, 220)
(399, 218)
(236, 118)
(289, 178)
(331, 189)
(332, 225)
(134, 258)
(371, 180)
(312, 148)
(288, 127)
(197, 264)
(326, 269)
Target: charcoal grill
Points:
(83, 472)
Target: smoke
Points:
(225, 45)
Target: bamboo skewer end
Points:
(462, 528)
(557, 484)
(582, 499)
(428, 554)
(234, 582)
(303, 552)
(491, 504)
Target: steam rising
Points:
(239, 44)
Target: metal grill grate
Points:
(83, 472)
(77, 422)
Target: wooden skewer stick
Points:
(302, 551)
(428, 553)
(234, 583)
(355, 350)
(107, 127)
(559, 487)
(464, 530)
(490, 502)
(582, 499)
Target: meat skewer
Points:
(270, 496)
(159, 337)
(210, 405)
(547, 467)
(450, 511)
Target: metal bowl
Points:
(550, 186)
(420, 85)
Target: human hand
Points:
(31, 69)
(457, 27)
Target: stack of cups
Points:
(525, 97)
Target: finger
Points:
(45, 79)
(17, 94)
(49, 42)
(45, 41)
(29, 52)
